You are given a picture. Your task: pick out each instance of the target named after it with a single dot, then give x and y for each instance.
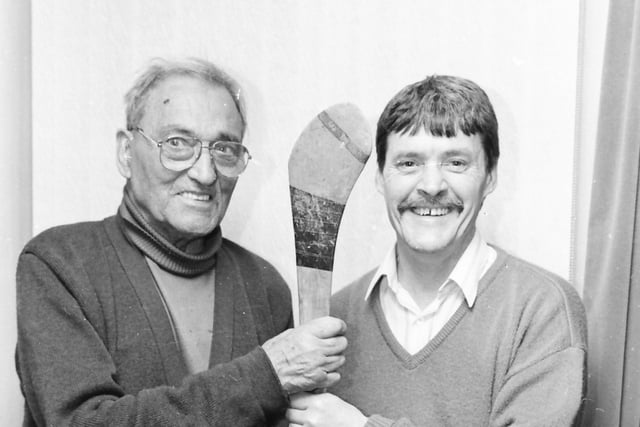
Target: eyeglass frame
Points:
(202, 144)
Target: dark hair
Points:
(443, 106)
(160, 69)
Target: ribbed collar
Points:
(155, 246)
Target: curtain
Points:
(612, 274)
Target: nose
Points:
(432, 181)
(203, 170)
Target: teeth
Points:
(431, 211)
(196, 196)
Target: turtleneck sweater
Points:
(185, 281)
(156, 247)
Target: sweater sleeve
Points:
(68, 376)
(549, 392)
(544, 383)
(380, 421)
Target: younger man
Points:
(450, 330)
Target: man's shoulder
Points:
(534, 290)
(81, 235)
(528, 277)
(74, 253)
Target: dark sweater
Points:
(96, 346)
(516, 358)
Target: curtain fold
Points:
(612, 274)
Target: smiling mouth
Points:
(430, 211)
(200, 197)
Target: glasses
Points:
(179, 153)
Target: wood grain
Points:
(324, 165)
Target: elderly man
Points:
(449, 330)
(151, 317)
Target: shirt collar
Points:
(474, 262)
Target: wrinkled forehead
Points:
(184, 88)
(188, 100)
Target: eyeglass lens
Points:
(230, 158)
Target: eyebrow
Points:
(224, 136)
(176, 129)
(458, 152)
(451, 152)
(221, 136)
(446, 154)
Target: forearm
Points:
(243, 392)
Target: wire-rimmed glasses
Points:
(179, 153)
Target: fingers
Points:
(326, 327)
(295, 417)
(323, 410)
(333, 346)
(332, 363)
(321, 378)
(332, 379)
(306, 357)
(304, 377)
(298, 404)
(299, 400)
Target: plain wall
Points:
(295, 58)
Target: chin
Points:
(428, 249)
(194, 228)
(429, 246)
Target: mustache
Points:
(431, 202)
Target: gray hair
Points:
(160, 69)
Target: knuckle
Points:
(339, 361)
(332, 379)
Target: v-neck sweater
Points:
(95, 344)
(516, 357)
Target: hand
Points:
(306, 357)
(323, 410)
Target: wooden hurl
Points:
(323, 168)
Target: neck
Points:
(422, 273)
(187, 243)
(193, 256)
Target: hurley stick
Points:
(323, 167)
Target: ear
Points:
(379, 181)
(123, 152)
(492, 182)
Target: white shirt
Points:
(413, 327)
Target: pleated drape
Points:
(612, 279)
